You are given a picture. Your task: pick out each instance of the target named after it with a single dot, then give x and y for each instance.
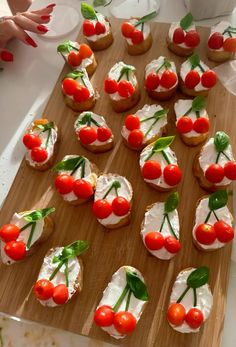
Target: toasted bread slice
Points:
(126, 104)
(102, 43)
(178, 50)
(140, 48)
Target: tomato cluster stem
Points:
(121, 298)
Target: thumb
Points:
(6, 55)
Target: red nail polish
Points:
(51, 5)
(6, 56)
(31, 42)
(45, 17)
(42, 28)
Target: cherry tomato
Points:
(15, 250)
(9, 232)
(168, 79)
(151, 170)
(214, 173)
(224, 231)
(104, 316)
(216, 41)
(102, 209)
(176, 314)
(103, 133)
(178, 36)
(69, 86)
(135, 138)
(154, 240)
(172, 245)
(230, 170)
(85, 51)
(110, 86)
(87, 135)
(137, 37)
(127, 29)
(124, 322)
(208, 79)
(125, 89)
(43, 289)
(120, 206)
(100, 28)
(192, 79)
(192, 38)
(184, 125)
(205, 234)
(74, 58)
(81, 94)
(152, 81)
(64, 183)
(201, 125)
(60, 294)
(229, 44)
(82, 189)
(172, 174)
(132, 122)
(30, 141)
(194, 318)
(88, 28)
(39, 154)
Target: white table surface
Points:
(25, 87)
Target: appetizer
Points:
(122, 86)
(78, 91)
(123, 302)
(196, 79)
(192, 120)
(215, 166)
(191, 300)
(160, 228)
(93, 133)
(61, 274)
(137, 34)
(112, 201)
(183, 37)
(213, 227)
(41, 140)
(222, 42)
(144, 126)
(26, 231)
(76, 179)
(78, 56)
(161, 79)
(159, 166)
(96, 28)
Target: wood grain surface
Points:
(111, 249)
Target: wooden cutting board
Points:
(111, 249)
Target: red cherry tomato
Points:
(216, 41)
(192, 79)
(168, 79)
(103, 133)
(178, 36)
(69, 86)
(102, 209)
(176, 314)
(194, 318)
(87, 135)
(100, 28)
(104, 316)
(201, 125)
(60, 294)
(124, 322)
(9, 232)
(151, 170)
(88, 28)
(214, 173)
(154, 240)
(132, 122)
(15, 250)
(110, 86)
(125, 89)
(230, 170)
(229, 44)
(127, 29)
(85, 51)
(152, 81)
(205, 234)
(172, 245)
(43, 289)
(208, 79)
(135, 138)
(172, 174)
(30, 141)
(74, 58)
(81, 94)
(64, 183)
(224, 231)
(184, 125)
(192, 38)
(82, 189)
(120, 206)
(39, 154)
(137, 37)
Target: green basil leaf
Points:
(217, 200)
(186, 21)
(221, 141)
(172, 202)
(146, 18)
(68, 164)
(38, 214)
(74, 74)
(97, 3)
(47, 126)
(198, 277)
(167, 63)
(85, 119)
(198, 103)
(194, 60)
(74, 249)
(162, 143)
(137, 286)
(88, 11)
(64, 47)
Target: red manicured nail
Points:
(45, 17)
(42, 28)
(31, 42)
(7, 56)
(51, 5)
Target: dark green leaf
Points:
(74, 74)
(73, 250)
(38, 214)
(162, 143)
(186, 21)
(167, 63)
(218, 199)
(64, 47)
(88, 11)
(194, 60)
(198, 277)
(47, 126)
(68, 164)
(172, 202)
(198, 103)
(137, 286)
(221, 141)
(146, 18)
(85, 119)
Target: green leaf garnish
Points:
(71, 251)
(146, 18)
(88, 11)
(38, 214)
(162, 143)
(166, 63)
(221, 141)
(45, 127)
(64, 47)
(125, 71)
(87, 119)
(198, 277)
(68, 164)
(194, 60)
(218, 200)
(198, 103)
(137, 286)
(74, 74)
(172, 202)
(186, 21)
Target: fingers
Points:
(45, 10)
(6, 55)
(29, 25)
(40, 19)
(12, 30)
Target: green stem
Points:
(160, 67)
(26, 226)
(194, 297)
(226, 156)
(56, 270)
(149, 156)
(189, 110)
(82, 79)
(80, 161)
(67, 273)
(83, 170)
(31, 235)
(171, 228)
(165, 156)
(218, 157)
(121, 298)
(200, 67)
(49, 135)
(114, 185)
(146, 119)
(128, 301)
(183, 295)
(75, 48)
(198, 114)
(216, 217)
(151, 126)
(163, 222)
(208, 217)
(142, 26)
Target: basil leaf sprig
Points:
(169, 206)
(75, 74)
(66, 47)
(87, 119)
(71, 164)
(146, 18)
(166, 63)
(115, 185)
(156, 117)
(46, 126)
(198, 104)
(125, 71)
(221, 143)
(160, 145)
(196, 279)
(195, 62)
(216, 201)
(230, 31)
(186, 21)
(88, 11)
